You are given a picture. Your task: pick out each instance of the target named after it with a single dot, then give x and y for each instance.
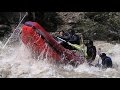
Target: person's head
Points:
(99, 48)
(61, 33)
(72, 31)
(90, 43)
(102, 55)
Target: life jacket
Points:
(107, 62)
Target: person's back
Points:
(106, 61)
(91, 51)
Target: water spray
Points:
(15, 30)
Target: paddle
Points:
(78, 47)
(73, 45)
(17, 28)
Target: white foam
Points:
(17, 61)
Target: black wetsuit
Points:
(106, 62)
(91, 52)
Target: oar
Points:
(78, 47)
(15, 30)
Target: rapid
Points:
(16, 61)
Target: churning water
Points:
(16, 61)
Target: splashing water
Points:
(16, 61)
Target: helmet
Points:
(102, 55)
(72, 31)
(90, 42)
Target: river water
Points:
(16, 61)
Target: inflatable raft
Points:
(36, 38)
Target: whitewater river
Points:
(16, 62)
